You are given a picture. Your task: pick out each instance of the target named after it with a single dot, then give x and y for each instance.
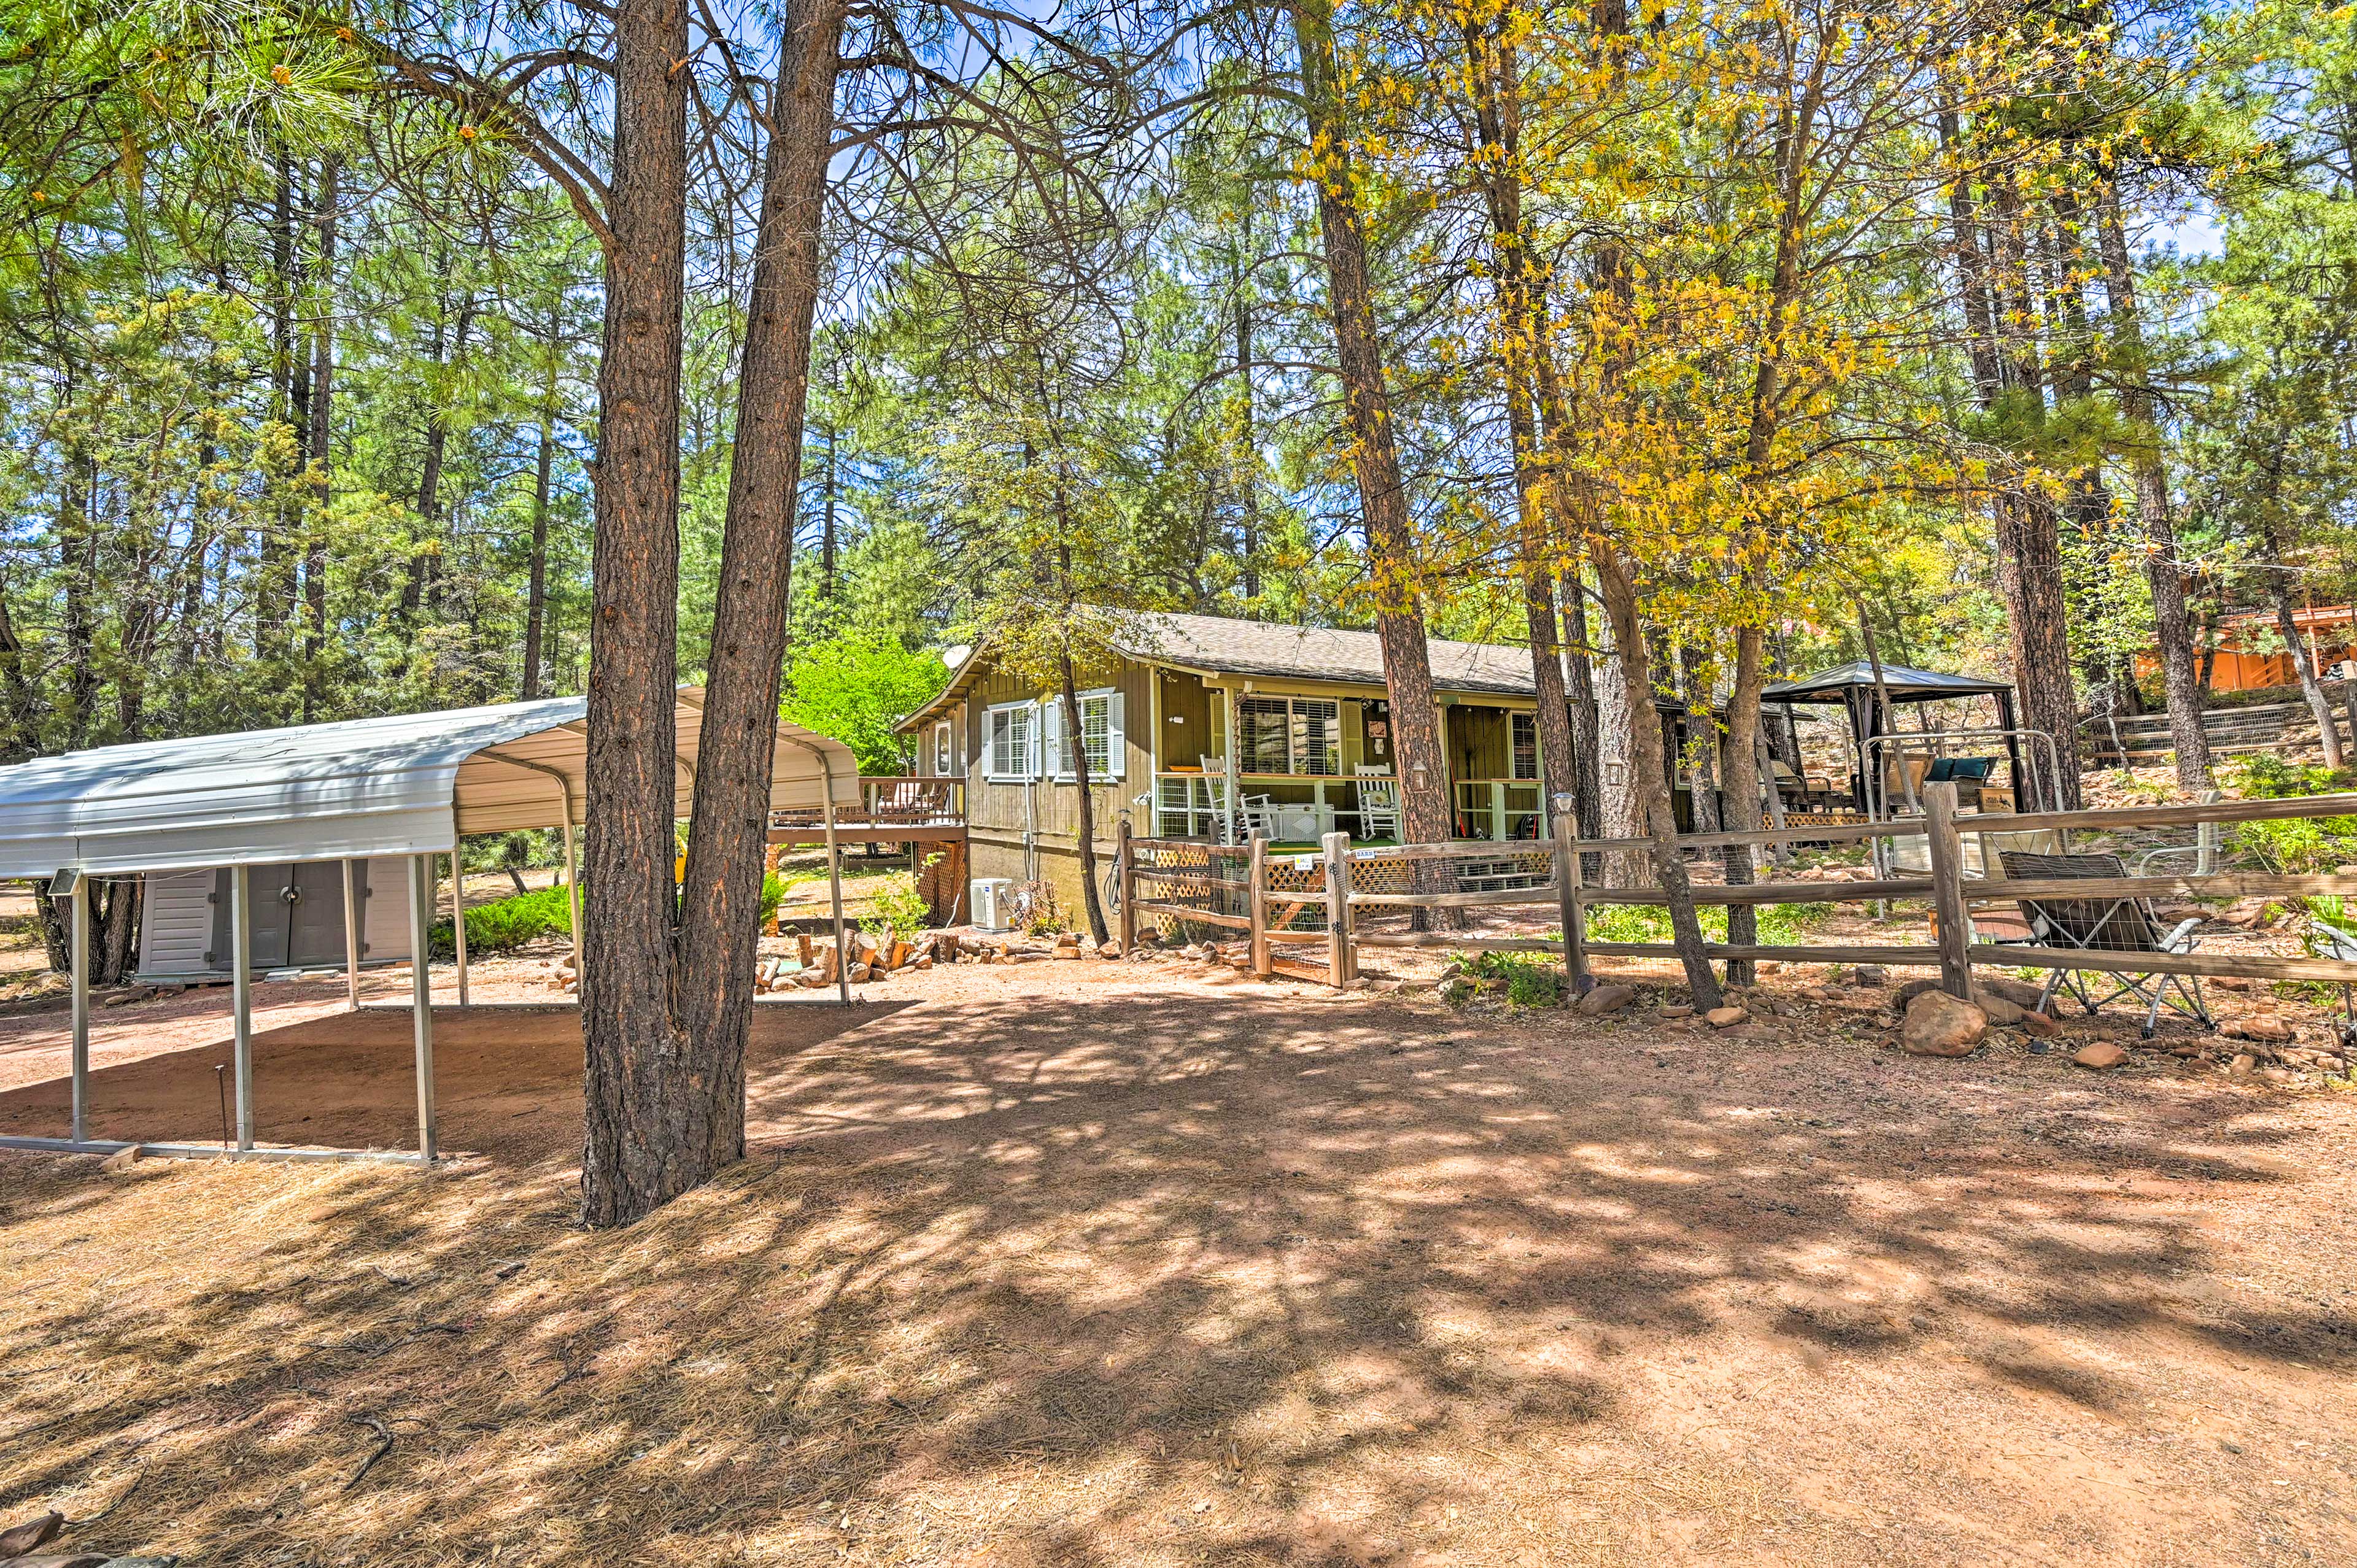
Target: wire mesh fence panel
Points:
(1190, 892)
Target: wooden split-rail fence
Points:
(1346, 897)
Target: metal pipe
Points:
(241, 987)
(420, 993)
(352, 938)
(458, 918)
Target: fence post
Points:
(1338, 909)
(1948, 889)
(1257, 870)
(1125, 863)
(1566, 893)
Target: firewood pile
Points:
(819, 964)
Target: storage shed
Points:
(319, 838)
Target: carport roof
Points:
(401, 784)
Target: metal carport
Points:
(404, 785)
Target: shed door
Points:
(316, 912)
(269, 886)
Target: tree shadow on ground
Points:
(1130, 1280)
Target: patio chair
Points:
(1968, 774)
(1379, 805)
(2106, 925)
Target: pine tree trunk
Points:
(1740, 770)
(322, 417)
(2172, 625)
(648, 1128)
(720, 900)
(1649, 782)
(1587, 784)
(1422, 760)
(2296, 647)
(1090, 902)
(543, 468)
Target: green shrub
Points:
(1781, 925)
(895, 906)
(508, 923)
(2292, 844)
(1531, 980)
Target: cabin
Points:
(1310, 719)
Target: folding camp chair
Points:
(2105, 925)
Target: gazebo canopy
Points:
(1842, 683)
(401, 785)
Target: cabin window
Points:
(1289, 735)
(1010, 731)
(1101, 733)
(1526, 746)
(944, 750)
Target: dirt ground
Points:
(1103, 1264)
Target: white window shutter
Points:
(1116, 750)
(1047, 730)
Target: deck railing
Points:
(889, 801)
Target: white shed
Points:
(263, 833)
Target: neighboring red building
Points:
(2241, 660)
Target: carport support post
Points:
(458, 920)
(241, 992)
(352, 938)
(573, 889)
(79, 936)
(420, 992)
(835, 892)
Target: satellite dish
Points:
(957, 654)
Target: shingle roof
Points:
(1316, 653)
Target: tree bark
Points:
(1078, 739)
(720, 927)
(1422, 760)
(323, 383)
(2172, 625)
(1739, 767)
(1588, 787)
(2296, 647)
(648, 1128)
(1649, 780)
(543, 468)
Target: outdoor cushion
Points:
(1942, 769)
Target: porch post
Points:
(420, 993)
(80, 936)
(1234, 768)
(241, 992)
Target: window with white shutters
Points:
(1101, 733)
(1009, 732)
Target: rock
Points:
(1726, 1017)
(2039, 1023)
(2230, 981)
(2102, 1054)
(1816, 993)
(2257, 1026)
(1678, 1010)
(2020, 992)
(923, 961)
(1071, 953)
(1870, 974)
(1109, 950)
(1607, 999)
(2242, 1064)
(1939, 1025)
(2001, 1010)
(2273, 1075)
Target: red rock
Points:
(2039, 1024)
(2102, 1054)
(1939, 1025)
(1726, 1017)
